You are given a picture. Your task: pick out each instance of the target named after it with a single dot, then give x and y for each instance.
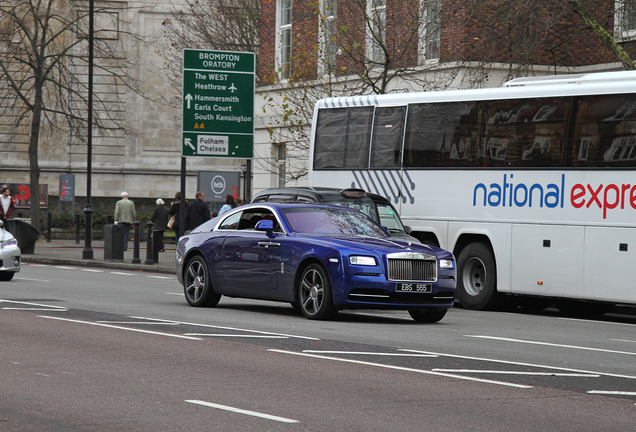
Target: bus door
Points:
(385, 176)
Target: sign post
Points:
(218, 104)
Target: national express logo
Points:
(508, 193)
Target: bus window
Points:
(604, 132)
(525, 132)
(388, 130)
(442, 134)
(343, 137)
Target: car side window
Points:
(231, 222)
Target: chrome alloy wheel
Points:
(312, 291)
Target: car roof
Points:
(316, 193)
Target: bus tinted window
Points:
(525, 133)
(388, 130)
(342, 138)
(442, 134)
(604, 132)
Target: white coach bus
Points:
(531, 185)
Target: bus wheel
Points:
(477, 277)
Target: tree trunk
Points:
(34, 166)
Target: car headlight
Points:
(447, 263)
(362, 260)
(9, 243)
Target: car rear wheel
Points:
(314, 293)
(6, 276)
(197, 285)
(428, 316)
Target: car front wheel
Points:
(6, 276)
(314, 293)
(197, 285)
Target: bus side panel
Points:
(610, 263)
(496, 234)
(548, 260)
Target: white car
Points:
(10, 255)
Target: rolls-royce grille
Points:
(413, 270)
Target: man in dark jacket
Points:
(197, 212)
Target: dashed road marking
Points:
(242, 411)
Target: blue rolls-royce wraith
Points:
(319, 258)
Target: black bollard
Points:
(48, 228)
(149, 259)
(136, 259)
(77, 229)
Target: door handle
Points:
(268, 244)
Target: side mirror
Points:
(265, 225)
(386, 229)
(1, 224)
(408, 229)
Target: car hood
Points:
(374, 244)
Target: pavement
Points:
(67, 252)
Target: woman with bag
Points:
(174, 213)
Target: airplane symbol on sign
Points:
(233, 88)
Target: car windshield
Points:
(366, 206)
(331, 221)
(389, 218)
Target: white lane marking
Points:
(160, 277)
(93, 270)
(242, 411)
(623, 340)
(609, 392)
(66, 267)
(122, 273)
(229, 328)
(32, 280)
(36, 306)
(120, 328)
(405, 369)
(597, 322)
(237, 335)
(367, 353)
(501, 372)
(524, 364)
(137, 322)
(551, 344)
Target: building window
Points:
(328, 35)
(376, 33)
(284, 38)
(625, 19)
(429, 31)
(282, 166)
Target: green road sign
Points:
(218, 104)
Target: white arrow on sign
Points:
(188, 99)
(188, 142)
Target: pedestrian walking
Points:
(229, 204)
(7, 206)
(125, 214)
(175, 211)
(160, 219)
(197, 212)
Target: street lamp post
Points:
(87, 253)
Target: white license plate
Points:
(414, 287)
